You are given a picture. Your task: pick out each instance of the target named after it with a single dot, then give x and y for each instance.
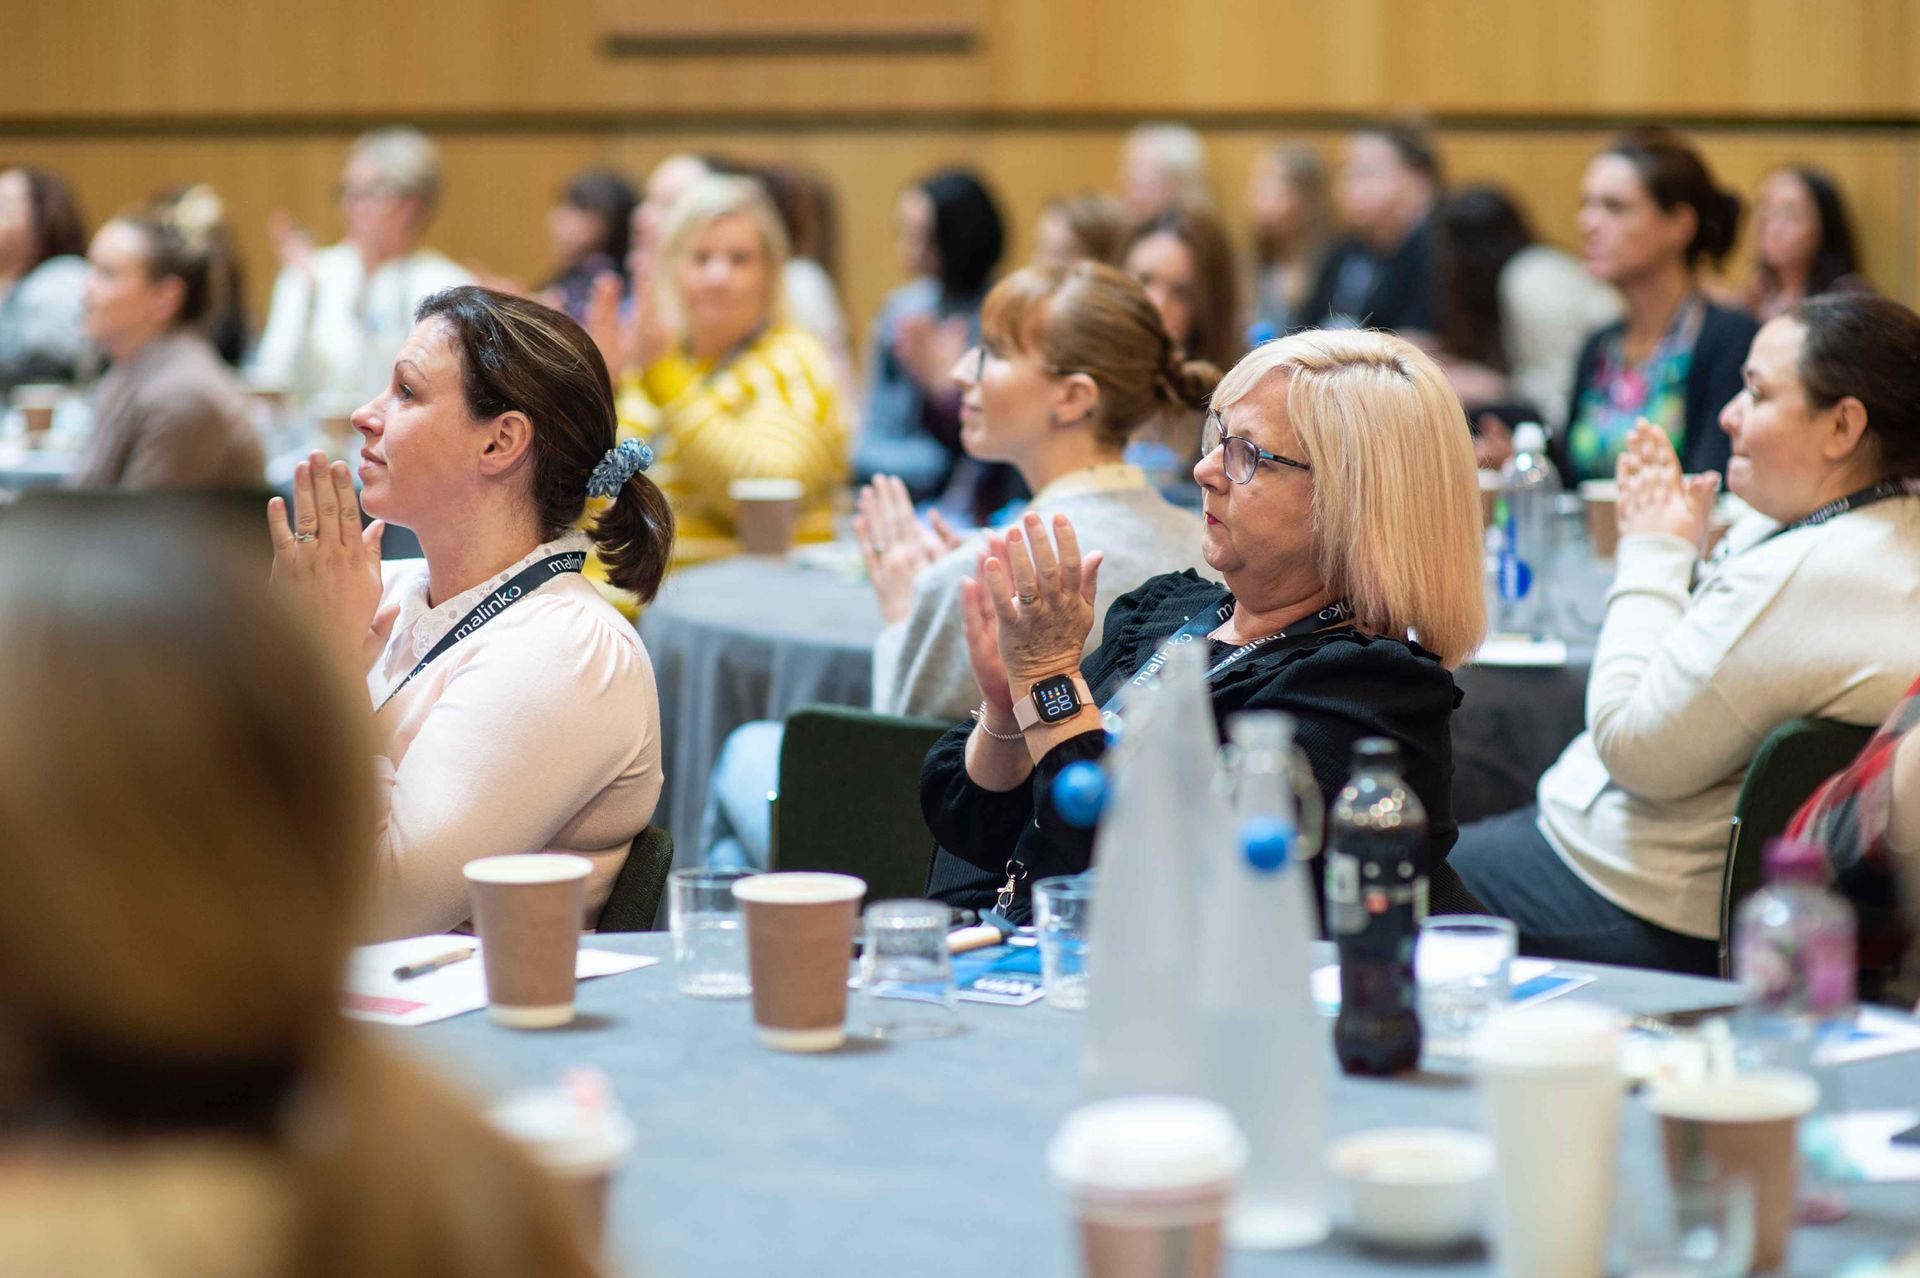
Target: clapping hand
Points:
(291, 242)
(928, 349)
(327, 563)
(896, 546)
(1655, 497)
(1034, 606)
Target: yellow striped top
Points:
(770, 411)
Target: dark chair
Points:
(849, 797)
(634, 903)
(1793, 762)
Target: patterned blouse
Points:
(1848, 818)
(1622, 392)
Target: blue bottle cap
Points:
(1267, 842)
(1079, 792)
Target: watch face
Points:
(1055, 699)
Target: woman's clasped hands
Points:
(1655, 497)
(328, 563)
(1029, 607)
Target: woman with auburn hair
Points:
(1341, 509)
(183, 1099)
(717, 382)
(1072, 363)
(510, 727)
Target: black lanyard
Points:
(1882, 491)
(1337, 613)
(511, 592)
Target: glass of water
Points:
(709, 934)
(1701, 1225)
(1062, 908)
(906, 971)
(1463, 963)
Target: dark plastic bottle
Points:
(1376, 896)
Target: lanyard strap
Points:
(511, 592)
(1882, 491)
(1337, 613)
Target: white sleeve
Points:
(277, 359)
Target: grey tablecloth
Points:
(744, 639)
(926, 1159)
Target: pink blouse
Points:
(538, 732)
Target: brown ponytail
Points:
(517, 355)
(1092, 318)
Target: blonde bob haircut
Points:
(1396, 499)
(704, 203)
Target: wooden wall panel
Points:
(1716, 57)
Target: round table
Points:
(743, 639)
(928, 1158)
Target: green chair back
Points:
(634, 904)
(1793, 762)
(850, 797)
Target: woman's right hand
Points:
(895, 546)
(983, 640)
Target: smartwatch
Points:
(1052, 700)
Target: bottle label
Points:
(1377, 901)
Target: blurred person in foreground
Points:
(514, 707)
(179, 1094)
(339, 313)
(43, 273)
(169, 413)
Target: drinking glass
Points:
(1462, 963)
(1062, 911)
(906, 971)
(1702, 1226)
(709, 934)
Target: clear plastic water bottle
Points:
(1263, 1049)
(1529, 486)
(1794, 951)
(1377, 857)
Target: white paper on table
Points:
(1864, 1141)
(1875, 1032)
(1521, 651)
(373, 993)
(1326, 981)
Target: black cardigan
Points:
(1339, 686)
(1719, 353)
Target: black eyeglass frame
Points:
(1246, 448)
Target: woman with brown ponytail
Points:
(515, 707)
(184, 818)
(1073, 362)
(169, 413)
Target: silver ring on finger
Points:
(306, 536)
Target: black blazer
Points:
(1339, 686)
(1401, 296)
(1719, 353)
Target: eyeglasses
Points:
(1242, 455)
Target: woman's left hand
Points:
(327, 562)
(1043, 602)
(1654, 496)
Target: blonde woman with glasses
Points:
(1341, 510)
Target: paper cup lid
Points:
(1758, 1096)
(1147, 1143)
(528, 867)
(766, 490)
(1560, 1035)
(799, 888)
(563, 1134)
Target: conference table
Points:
(927, 1158)
(758, 637)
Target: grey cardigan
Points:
(920, 665)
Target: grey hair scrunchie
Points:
(617, 467)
